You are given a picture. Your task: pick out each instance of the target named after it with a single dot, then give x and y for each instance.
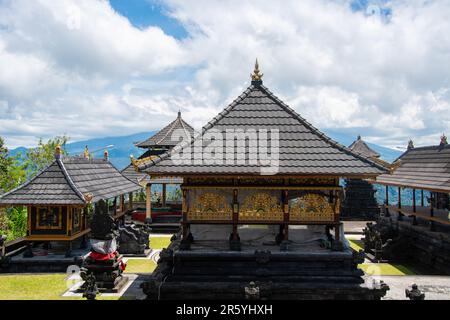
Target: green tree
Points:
(41, 156)
(5, 163)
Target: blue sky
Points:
(144, 13)
(94, 68)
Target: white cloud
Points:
(80, 68)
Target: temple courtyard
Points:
(60, 286)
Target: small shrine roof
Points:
(71, 181)
(360, 147)
(163, 138)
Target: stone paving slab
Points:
(434, 287)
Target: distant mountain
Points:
(124, 147)
(119, 154)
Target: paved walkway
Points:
(434, 287)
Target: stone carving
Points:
(414, 293)
(210, 206)
(104, 262)
(252, 292)
(91, 290)
(133, 239)
(312, 207)
(261, 207)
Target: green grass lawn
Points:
(159, 242)
(386, 269)
(37, 287)
(140, 266)
(356, 245)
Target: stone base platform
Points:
(306, 272)
(119, 284)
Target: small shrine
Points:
(261, 208)
(359, 201)
(59, 197)
(155, 145)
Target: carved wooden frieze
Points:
(261, 206)
(211, 206)
(312, 207)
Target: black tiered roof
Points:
(360, 147)
(163, 139)
(304, 150)
(71, 181)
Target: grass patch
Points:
(39, 287)
(32, 287)
(385, 269)
(159, 242)
(356, 245)
(140, 266)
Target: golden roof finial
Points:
(257, 76)
(86, 152)
(58, 152)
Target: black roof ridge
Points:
(69, 179)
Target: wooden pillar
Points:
(400, 214)
(69, 213)
(130, 201)
(186, 238)
(164, 194)
(148, 207)
(432, 226)
(122, 203)
(286, 214)
(235, 235)
(414, 207)
(387, 195)
(422, 201)
(235, 243)
(386, 209)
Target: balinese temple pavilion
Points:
(57, 198)
(423, 223)
(249, 231)
(155, 145)
(359, 201)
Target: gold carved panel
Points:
(261, 206)
(209, 206)
(312, 207)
